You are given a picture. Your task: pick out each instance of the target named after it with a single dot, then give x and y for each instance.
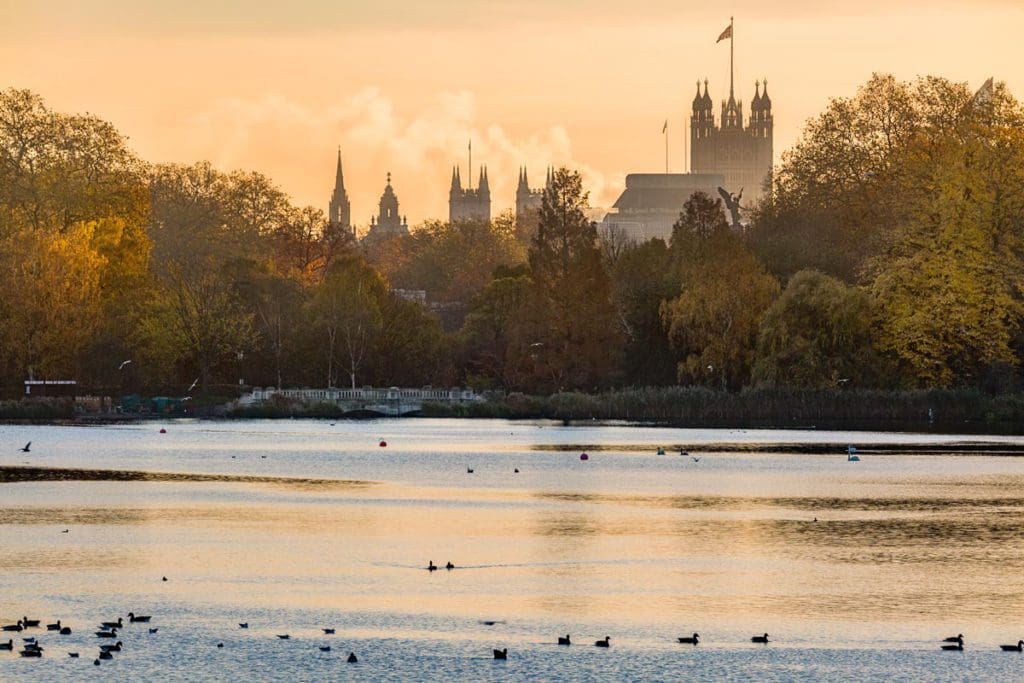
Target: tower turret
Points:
(339, 211)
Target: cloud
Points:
(295, 145)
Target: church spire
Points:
(339, 178)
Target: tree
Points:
(495, 346)
(712, 325)
(571, 316)
(346, 311)
(817, 334)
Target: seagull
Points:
(124, 363)
(192, 386)
(25, 449)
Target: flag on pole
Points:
(665, 127)
(727, 33)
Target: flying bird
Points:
(192, 386)
(25, 449)
(124, 363)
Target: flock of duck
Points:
(31, 646)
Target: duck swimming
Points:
(501, 654)
(132, 618)
(1019, 647)
(690, 641)
(352, 659)
(564, 641)
(603, 643)
(760, 639)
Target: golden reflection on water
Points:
(248, 542)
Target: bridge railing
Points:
(368, 394)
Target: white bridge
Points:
(392, 402)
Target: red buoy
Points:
(163, 431)
(383, 443)
(584, 456)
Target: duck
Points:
(325, 648)
(106, 655)
(1019, 647)
(328, 631)
(53, 627)
(9, 645)
(449, 566)
(501, 654)
(352, 659)
(29, 623)
(220, 644)
(31, 653)
(132, 618)
(431, 567)
(603, 643)
(30, 640)
(515, 471)
(284, 637)
(956, 646)
(691, 640)
(760, 639)
(116, 647)
(65, 631)
(13, 627)
(96, 662)
(153, 630)
(564, 641)
(112, 633)
(73, 655)
(245, 625)
(469, 470)
(959, 638)
(113, 624)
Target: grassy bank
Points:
(700, 406)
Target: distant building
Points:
(469, 204)
(741, 153)
(651, 203)
(528, 200)
(388, 222)
(339, 212)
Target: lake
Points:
(856, 569)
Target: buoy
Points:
(584, 456)
(383, 443)
(163, 431)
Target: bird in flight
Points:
(25, 448)
(124, 363)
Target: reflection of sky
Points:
(400, 85)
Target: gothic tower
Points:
(528, 200)
(339, 212)
(388, 222)
(741, 152)
(469, 204)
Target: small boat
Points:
(603, 643)
(1019, 647)
(501, 654)
(760, 639)
(690, 640)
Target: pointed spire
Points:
(483, 185)
(339, 178)
(456, 184)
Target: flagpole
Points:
(732, 38)
(666, 148)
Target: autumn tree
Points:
(571, 317)
(818, 334)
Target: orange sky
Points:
(402, 84)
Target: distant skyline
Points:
(402, 86)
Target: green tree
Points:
(571, 317)
(495, 346)
(817, 334)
